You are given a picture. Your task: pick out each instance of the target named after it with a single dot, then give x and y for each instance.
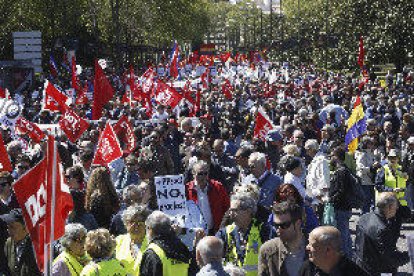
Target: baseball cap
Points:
(274, 136)
(12, 216)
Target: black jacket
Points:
(376, 243)
(151, 264)
(339, 188)
(345, 267)
(22, 265)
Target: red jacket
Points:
(217, 197)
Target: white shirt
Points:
(204, 205)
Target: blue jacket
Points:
(268, 185)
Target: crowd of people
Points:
(275, 206)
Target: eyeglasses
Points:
(283, 225)
(4, 183)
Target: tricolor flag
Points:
(53, 67)
(175, 58)
(357, 125)
(65, 60)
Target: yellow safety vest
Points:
(70, 261)
(124, 255)
(392, 182)
(111, 267)
(170, 267)
(251, 258)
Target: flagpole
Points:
(52, 219)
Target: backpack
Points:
(355, 195)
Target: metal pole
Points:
(271, 22)
(326, 34)
(261, 27)
(298, 32)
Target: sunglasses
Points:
(4, 184)
(22, 167)
(283, 225)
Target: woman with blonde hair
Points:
(101, 198)
(100, 246)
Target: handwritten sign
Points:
(170, 191)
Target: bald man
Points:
(325, 256)
(209, 254)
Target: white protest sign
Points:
(170, 191)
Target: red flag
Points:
(148, 80)
(57, 193)
(263, 125)
(226, 89)
(148, 105)
(81, 97)
(2, 93)
(126, 98)
(72, 125)
(187, 92)
(103, 92)
(26, 127)
(5, 164)
(30, 191)
(75, 80)
(197, 102)
(131, 79)
(125, 132)
(167, 95)
(45, 200)
(54, 100)
(108, 148)
(361, 52)
(205, 78)
(138, 95)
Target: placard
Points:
(170, 192)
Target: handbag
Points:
(329, 215)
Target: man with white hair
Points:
(209, 254)
(243, 239)
(267, 182)
(166, 254)
(317, 178)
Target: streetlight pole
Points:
(261, 27)
(298, 32)
(326, 34)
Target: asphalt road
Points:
(408, 228)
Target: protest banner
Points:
(170, 191)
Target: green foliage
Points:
(387, 28)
